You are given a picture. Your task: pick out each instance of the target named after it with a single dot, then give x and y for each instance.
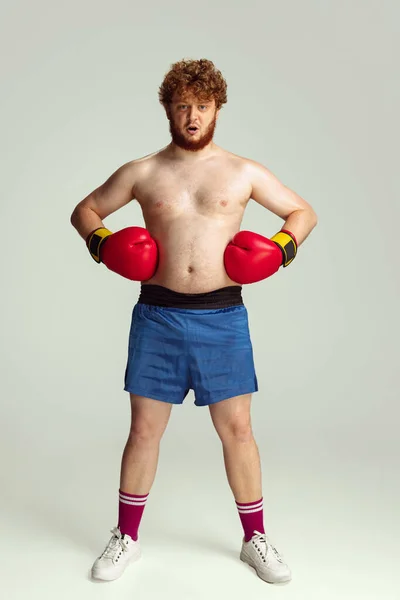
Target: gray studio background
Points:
(313, 94)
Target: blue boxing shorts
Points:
(179, 342)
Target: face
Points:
(186, 112)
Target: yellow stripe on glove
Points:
(288, 246)
(95, 240)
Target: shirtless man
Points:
(189, 327)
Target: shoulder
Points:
(138, 169)
(137, 165)
(249, 167)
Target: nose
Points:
(192, 113)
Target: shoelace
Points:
(114, 545)
(262, 539)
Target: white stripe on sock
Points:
(133, 501)
(249, 509)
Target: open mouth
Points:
(192, 130)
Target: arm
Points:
(251, 257)
(267, 190)
(115, 192)
(130, 252)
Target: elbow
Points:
(76, 217)
(72, 218)
(314, 219)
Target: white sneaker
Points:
(260, 554)
(120, 551)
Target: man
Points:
(189, 328)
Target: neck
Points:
(175, 151)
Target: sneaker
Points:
(120, 551)
(260, 554)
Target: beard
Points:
(187, 143)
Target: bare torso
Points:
(192, 208)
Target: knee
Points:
(240, 431)
(144, 431)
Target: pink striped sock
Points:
(130, 509)
(252, 518)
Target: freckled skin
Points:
(192, 211)
(193, 195)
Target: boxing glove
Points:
(130, 252)
(250, 257)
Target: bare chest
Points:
(202, 191)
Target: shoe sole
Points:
(281, 581)
(133, 559)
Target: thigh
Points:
(221, 356)
(149, 416)
(157, 363)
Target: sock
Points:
(130, 509)
(252, 518)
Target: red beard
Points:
(189, 144)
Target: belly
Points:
(191, 255)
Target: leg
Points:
(138, 468)
(140, 457)
(231, 419)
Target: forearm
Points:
(301, 223)
(85, 220)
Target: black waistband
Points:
(158, 295)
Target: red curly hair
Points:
(197, 76)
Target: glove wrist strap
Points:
(288, 245)
(95, 241)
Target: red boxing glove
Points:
(251, 257)
(130, 252)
